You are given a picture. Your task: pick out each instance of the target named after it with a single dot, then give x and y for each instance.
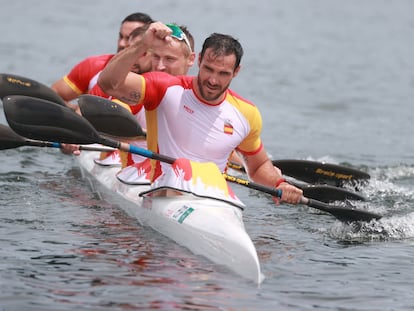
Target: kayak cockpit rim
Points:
(171, 191)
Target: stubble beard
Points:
(206, 97)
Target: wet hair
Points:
(223, 45)
(138, 17)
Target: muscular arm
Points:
(117, 80)
(261, 170)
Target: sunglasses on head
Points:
(179, 34)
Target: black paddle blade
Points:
(44, 120)
(17, 85)
(328, 194)
(345, 214)
(9, 139)
(319, 172)
(109, 117)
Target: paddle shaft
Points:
(9, 140)
(323, 193)
(36, 143)
(133, 149)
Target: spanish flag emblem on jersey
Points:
(228, 128)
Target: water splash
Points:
(389, 193)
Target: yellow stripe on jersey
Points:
(252, 143)
(142, 90)
(152, 135)
(72, 85)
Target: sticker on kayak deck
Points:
(182, 213)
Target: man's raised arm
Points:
(117, 79)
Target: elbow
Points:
(107, 84)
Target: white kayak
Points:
(206, 226)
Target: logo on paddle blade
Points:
(19, 82)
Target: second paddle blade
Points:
(9, 139)
(109, 117)
(326, 193)
(345, 214)
(44, 120)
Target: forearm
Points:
(266, 174)
(117, 79)
(113, 79)
(260, 168)
(262, 171)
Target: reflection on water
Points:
(99, 251)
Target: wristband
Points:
(279, 181)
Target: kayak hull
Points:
(207, 227)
